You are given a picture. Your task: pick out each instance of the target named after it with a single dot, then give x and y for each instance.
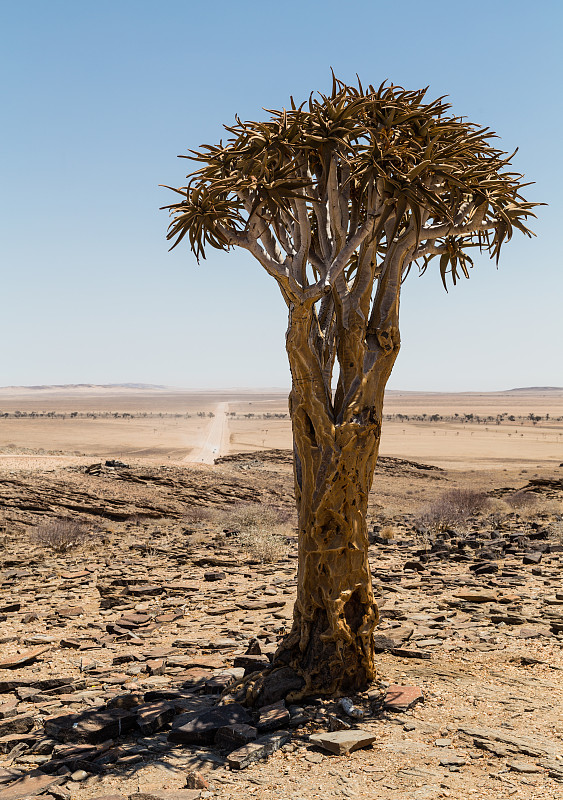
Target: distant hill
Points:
(90, 386)
(537, 389)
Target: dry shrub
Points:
(252, 515)
(265, 544)
(498, 511)
(59, 535)
(262, 530)
(195, 515)
(522, 499)
(452, 508)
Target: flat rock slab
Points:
(449, 758)
(8, 709)
(258, 750)
(154, 716)
(203, 727)
(20, 723)
(343, 742)
(91, 726)
(525, 767)
(33, 783)
(478, 597)
(401, 698)
(231, 737)
(22, 659)
(9, 741)
(272, 717)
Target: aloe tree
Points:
(337, 199)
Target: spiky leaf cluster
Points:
(394, 156)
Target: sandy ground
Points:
(174, 426)
(480, 668)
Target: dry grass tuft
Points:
(60, 535)
(388, 533)
(452, 508)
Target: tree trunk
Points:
(329, 650)
(331, 642)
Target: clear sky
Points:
(98, 98)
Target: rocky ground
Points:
(117, 656)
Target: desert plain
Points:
(174, 575)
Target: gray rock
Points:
(21, 723)
(91, 726)
(154, 716)
(258, 750)
(272, 717)
(231, 737)
(201, 729)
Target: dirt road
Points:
(217, 435)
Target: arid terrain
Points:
(148, 562)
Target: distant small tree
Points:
(337, 198)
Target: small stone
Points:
(533, 631)
(342, 742)
(195, 780)
(532, 558)
(452, 759)
(418, 566)
(79, 775)
(91, 726)
(253, 648)
(337, 724)
(72, 644)
(127, 701)
(484, 568)
(215, 575)
(156, 666)
(411, 652)
(443, 742)
(401, 698)
(7, 743)
(218, 683)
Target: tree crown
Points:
(331, 188)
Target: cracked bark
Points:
(330, 644)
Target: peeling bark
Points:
(335, 451)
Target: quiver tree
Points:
(337, 199)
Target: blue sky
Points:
(100, 97)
